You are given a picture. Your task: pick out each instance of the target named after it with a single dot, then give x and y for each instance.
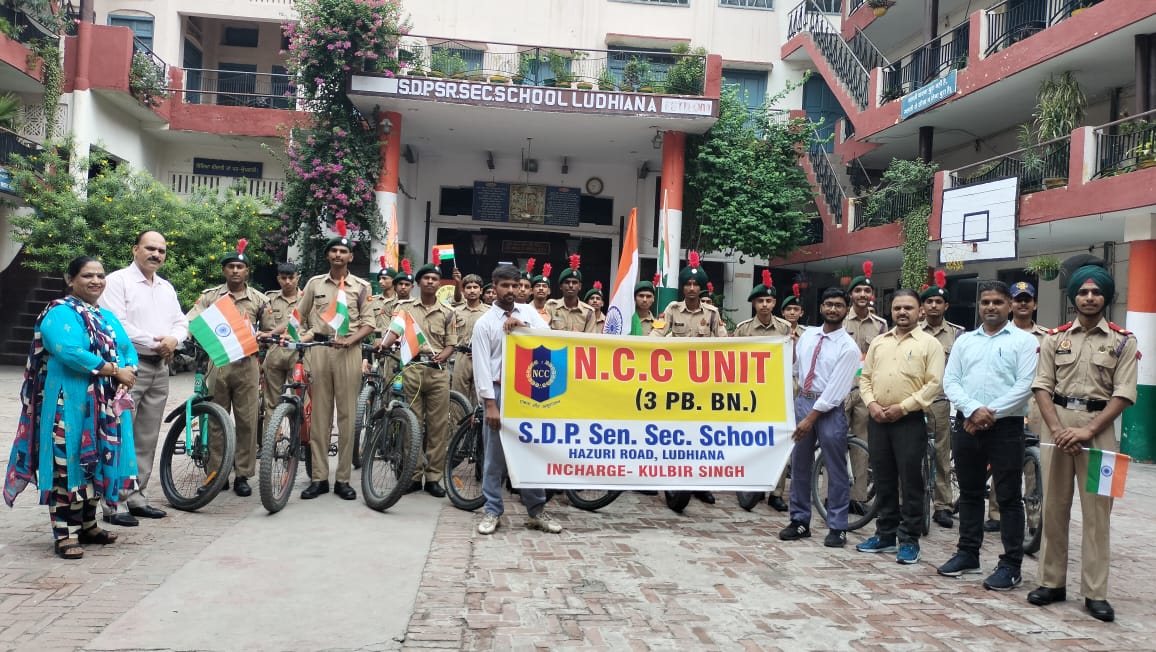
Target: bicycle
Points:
(1033, 492)
(868, 508)
(192, 472)
(392, 446)
(368, 400)
(285, 441)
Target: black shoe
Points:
(122, 519)
(778, 503)
(991, 525)
(796, 530)
(315, 489)
(1100, 609)
(857, 508)
(836, 539)
(414, 486)
(942, 517)
(344, 491)
(148, 511)
(241, 487)
(1044, 596)
(705, 496)
(435, 489)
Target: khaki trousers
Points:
(150, 393)
(428, 391)
(1062, 474)
(463, 380)
(234, 386)
(336, 382)
(278, 363)
(939, 422)
(857, 416)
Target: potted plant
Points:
(605, 80)
(1060, 107)
(412, 59)
(633, 73)
(1046, 267)
(1145, 152)
(1081, 6)
(688, 73)
(444, 63)
(803, 281)
(891, 94)
(880, 7)
(526, 63)
(646, 84)
(560, 67)
(844, 273)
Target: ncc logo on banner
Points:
(544, 375)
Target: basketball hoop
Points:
(953, 255)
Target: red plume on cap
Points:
(406, 266)
(575, 262)
(597, 285)
(710, 287)
(546, 269)
(868, 267)
(341, 228)
(941, 278)
(530, 262)
(381, 259)
(657, 279)
(767, 278)
(796, 290)
(924, 287)
(241, 244)
(437, 256)
(694, 259)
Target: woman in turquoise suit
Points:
(74, 439)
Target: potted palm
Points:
(605, 80)
(1046, 267)
(1060, 107)
(633, 73)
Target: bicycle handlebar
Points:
(290, 344)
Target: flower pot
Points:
(519, 79)
(437, 74)
(845, 281)
(645, 89)
(1077, 12)
(1049, 275)
(1146, 163)
(499, 79)
(559, 84)
(585, 86)
(1052, 183)
(878, 11)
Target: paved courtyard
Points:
(332, 575)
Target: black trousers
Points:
(1001, 448)
(897, 452)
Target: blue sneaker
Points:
(1003, 579)
(875, 544)
(908, 553)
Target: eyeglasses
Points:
(831, 304)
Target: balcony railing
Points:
(238, 88)
(1012, 21)
(628, 70)
(188, 184)
(1040, 167)
(893, 208)
(1126, 145)
(843, 59)
(11, 143)
(26, 27)
(833, 194)
(854, 6)
(927, 62)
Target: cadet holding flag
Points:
(283, 305)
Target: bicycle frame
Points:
(200, 395)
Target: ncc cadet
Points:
(383, 303)
(792, 309)
(465, 316)
(428, 387)
(764, 323)
(933, 300)
(337, 370)
(863, 325)
(691, 318)
(489, 294)
(403, 281)
(279, 360)
(570, 313)
(1085, 379)
(596, 301)
(644, 304)
(526, 283)
(540, 291)
(236, 384)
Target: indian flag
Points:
(223, 332)
(391, 259)
(446, 252)
(1106, 473)
(621, 319)
(293, 328)
(410, 337)
(337, 315)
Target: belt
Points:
(151, 359)
(806, 394)
(1079, 404)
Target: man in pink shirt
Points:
(147, 306)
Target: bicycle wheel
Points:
(677, 500)
(748, 499)
(191, 472)
(1033, 489)
(927, 468)
(855, 446)
(591, 499)
(281, 444)
(366, 406)
(465, 461)
(460, 408)
(389, 456)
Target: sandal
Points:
(98, 536)
(68, 549)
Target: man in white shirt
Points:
(147, 306)
(489, 347)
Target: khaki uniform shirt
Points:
(464, 319)
(755, 328)
(864, 330)
(599, 321)
(252, 305)
(436, 321)
(579, 319)
(797, 331)
(321, 290)
(945, 334)
(647, 323)
(903, 369)
(282, 309)
(1094, 364)
(382, 308)
(678, 321)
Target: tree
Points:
(745, 189)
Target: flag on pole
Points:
(446, 251)
(337, 314)
(1107, 472)
(391, 239)
(293, 328)
(621, 319)
(410, 337)
(223, 332)
(667, 289)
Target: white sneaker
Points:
(544, 522)
(488, 525)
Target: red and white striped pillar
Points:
(670, 216)
(389, 144)
(1139, 437)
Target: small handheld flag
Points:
(447, 252)
(223, 332)
(1107, 472)
(410, 337)
(293, 328)
(337, 314)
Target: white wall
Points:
(122, 136)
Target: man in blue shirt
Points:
(988, 379)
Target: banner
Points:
(612, 412)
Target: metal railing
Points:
(1126, 145)
(844, 61)
(1039, 167)
(12, 143)
(829, 186)
(1012, 21)
(238, 88)
(928, 62)
(25, 27)
(854, 6)
(627, 70)
(187, 184)
(896, 206)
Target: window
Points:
(240, 37)
(748, 4)
(141, 26)
(829, 6)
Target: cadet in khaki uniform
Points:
(465, 316)
(596, 301)
(792, 309)
(933, 300)
(403, 281)
(644, 304)
(279, 360)
(1085, 379)
(428, 388)
(862, 325)
(383, 303)
(570, 313)
(336, 371)
(540, 299)
(236, 384)
(691, 318)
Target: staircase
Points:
(23, 295)
(849, 62)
